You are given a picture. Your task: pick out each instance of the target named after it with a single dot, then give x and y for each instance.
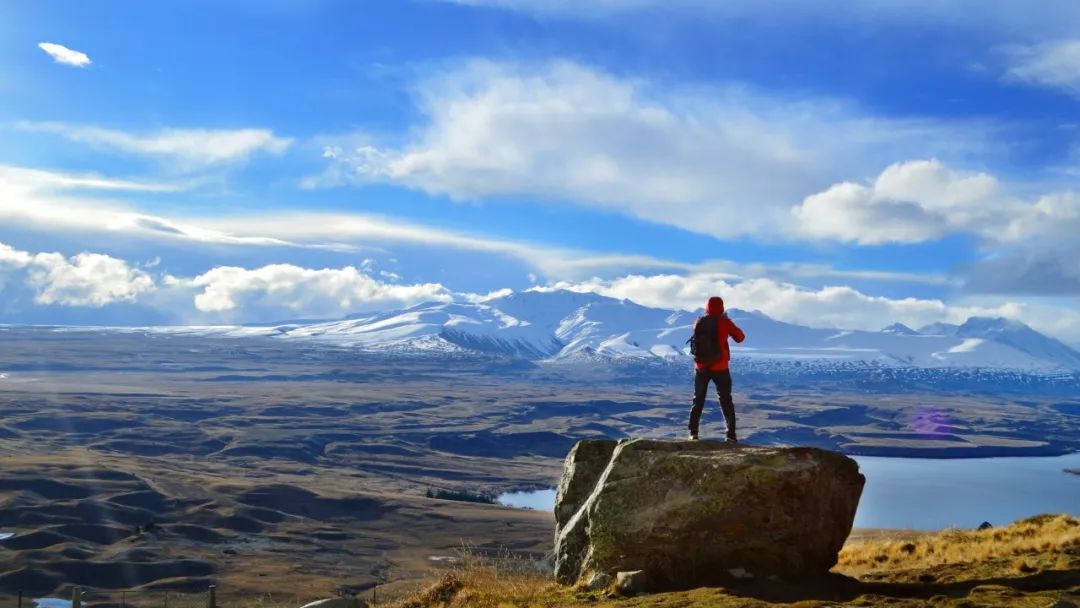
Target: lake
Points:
(928, 494)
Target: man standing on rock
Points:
(711, 356)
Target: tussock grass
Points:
(481, 580)
(1029, 545)
(920, 563)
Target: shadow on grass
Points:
(836, 587)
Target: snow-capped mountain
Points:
(1020, 337)
(899, 328)
(566, 326)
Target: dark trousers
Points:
(702, 377)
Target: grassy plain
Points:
(288, 472)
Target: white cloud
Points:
(1053, 65)
(190, 149)
(1037, 253)
(44, 200)
(1052, 217)
(304, 291)
(24, 180)
(1029, 246)
(480, 298)
(13, 258)
(264, 293)
(723, 162)
(909, 202)
(64, 55)
(86, 279)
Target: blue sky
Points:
(828, 163)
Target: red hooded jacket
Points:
(725, 329)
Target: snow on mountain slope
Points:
(899, 328)
(1021, 337)
(568, 326)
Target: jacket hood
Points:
(715, 306)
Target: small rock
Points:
(740, 573)
(632, 583)
(598, 581)
(336, 602)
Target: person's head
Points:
(715, 306)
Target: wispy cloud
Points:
(26, 179)
(64, 55)
(34, 199)
(1054, 65)
(719, 161)
(51, 201)
(188, 148)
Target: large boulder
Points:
(690, 513)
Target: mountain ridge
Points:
(558, 325)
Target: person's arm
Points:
(734, 331)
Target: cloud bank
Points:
(275, 292)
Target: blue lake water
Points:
(926, 494)
(52, 602)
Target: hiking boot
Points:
(732, 439)
(692, 437)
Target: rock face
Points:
(688, 512)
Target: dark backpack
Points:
(705, 343)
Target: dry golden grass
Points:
(487, 582)
(898, 572)
(1037, 543)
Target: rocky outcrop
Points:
(689, 513)
(584, 465)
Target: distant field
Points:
(299, 471)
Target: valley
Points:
(303, 470)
